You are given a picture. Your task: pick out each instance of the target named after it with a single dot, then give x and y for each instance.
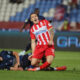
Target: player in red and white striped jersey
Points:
(43, 32)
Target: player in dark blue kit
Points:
(28, 21)
(12, 61)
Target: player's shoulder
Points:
(45, 20)
(41, 17)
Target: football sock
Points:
(45, 65)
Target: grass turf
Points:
(70, 59)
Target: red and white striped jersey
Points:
(41, 32)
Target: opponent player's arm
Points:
(23, 27)
(26, 23)
(33, 45)
(17, 59)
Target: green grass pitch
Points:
(69, 59)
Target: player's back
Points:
(24, 61)
(8, 59)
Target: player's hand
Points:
(50, 42)
(30, 57)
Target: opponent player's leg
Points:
(26, 49)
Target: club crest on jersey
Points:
(40, 30)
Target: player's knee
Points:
(50, 59)
(34, 62)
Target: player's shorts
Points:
(42, 50)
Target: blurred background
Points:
(64, 15)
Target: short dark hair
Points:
(31, 14)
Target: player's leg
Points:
(34, 61)
(26, 49)
(49, 60)
(44, 65)
(50, 57)
(49, 53)
(37, 55)
(61, 68)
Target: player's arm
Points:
(51, 36)
(26, 23)
(17, 59)
(33, 45)
(50, 29)
(23, 27)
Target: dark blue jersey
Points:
(31, 23)
(8, 59)
(24, 62)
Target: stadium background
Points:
(12, 16)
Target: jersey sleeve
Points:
(48, 24)
(32, 35)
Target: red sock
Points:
(45, 65)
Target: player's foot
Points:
(33, 69)
(62, 68)
(22, 53)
